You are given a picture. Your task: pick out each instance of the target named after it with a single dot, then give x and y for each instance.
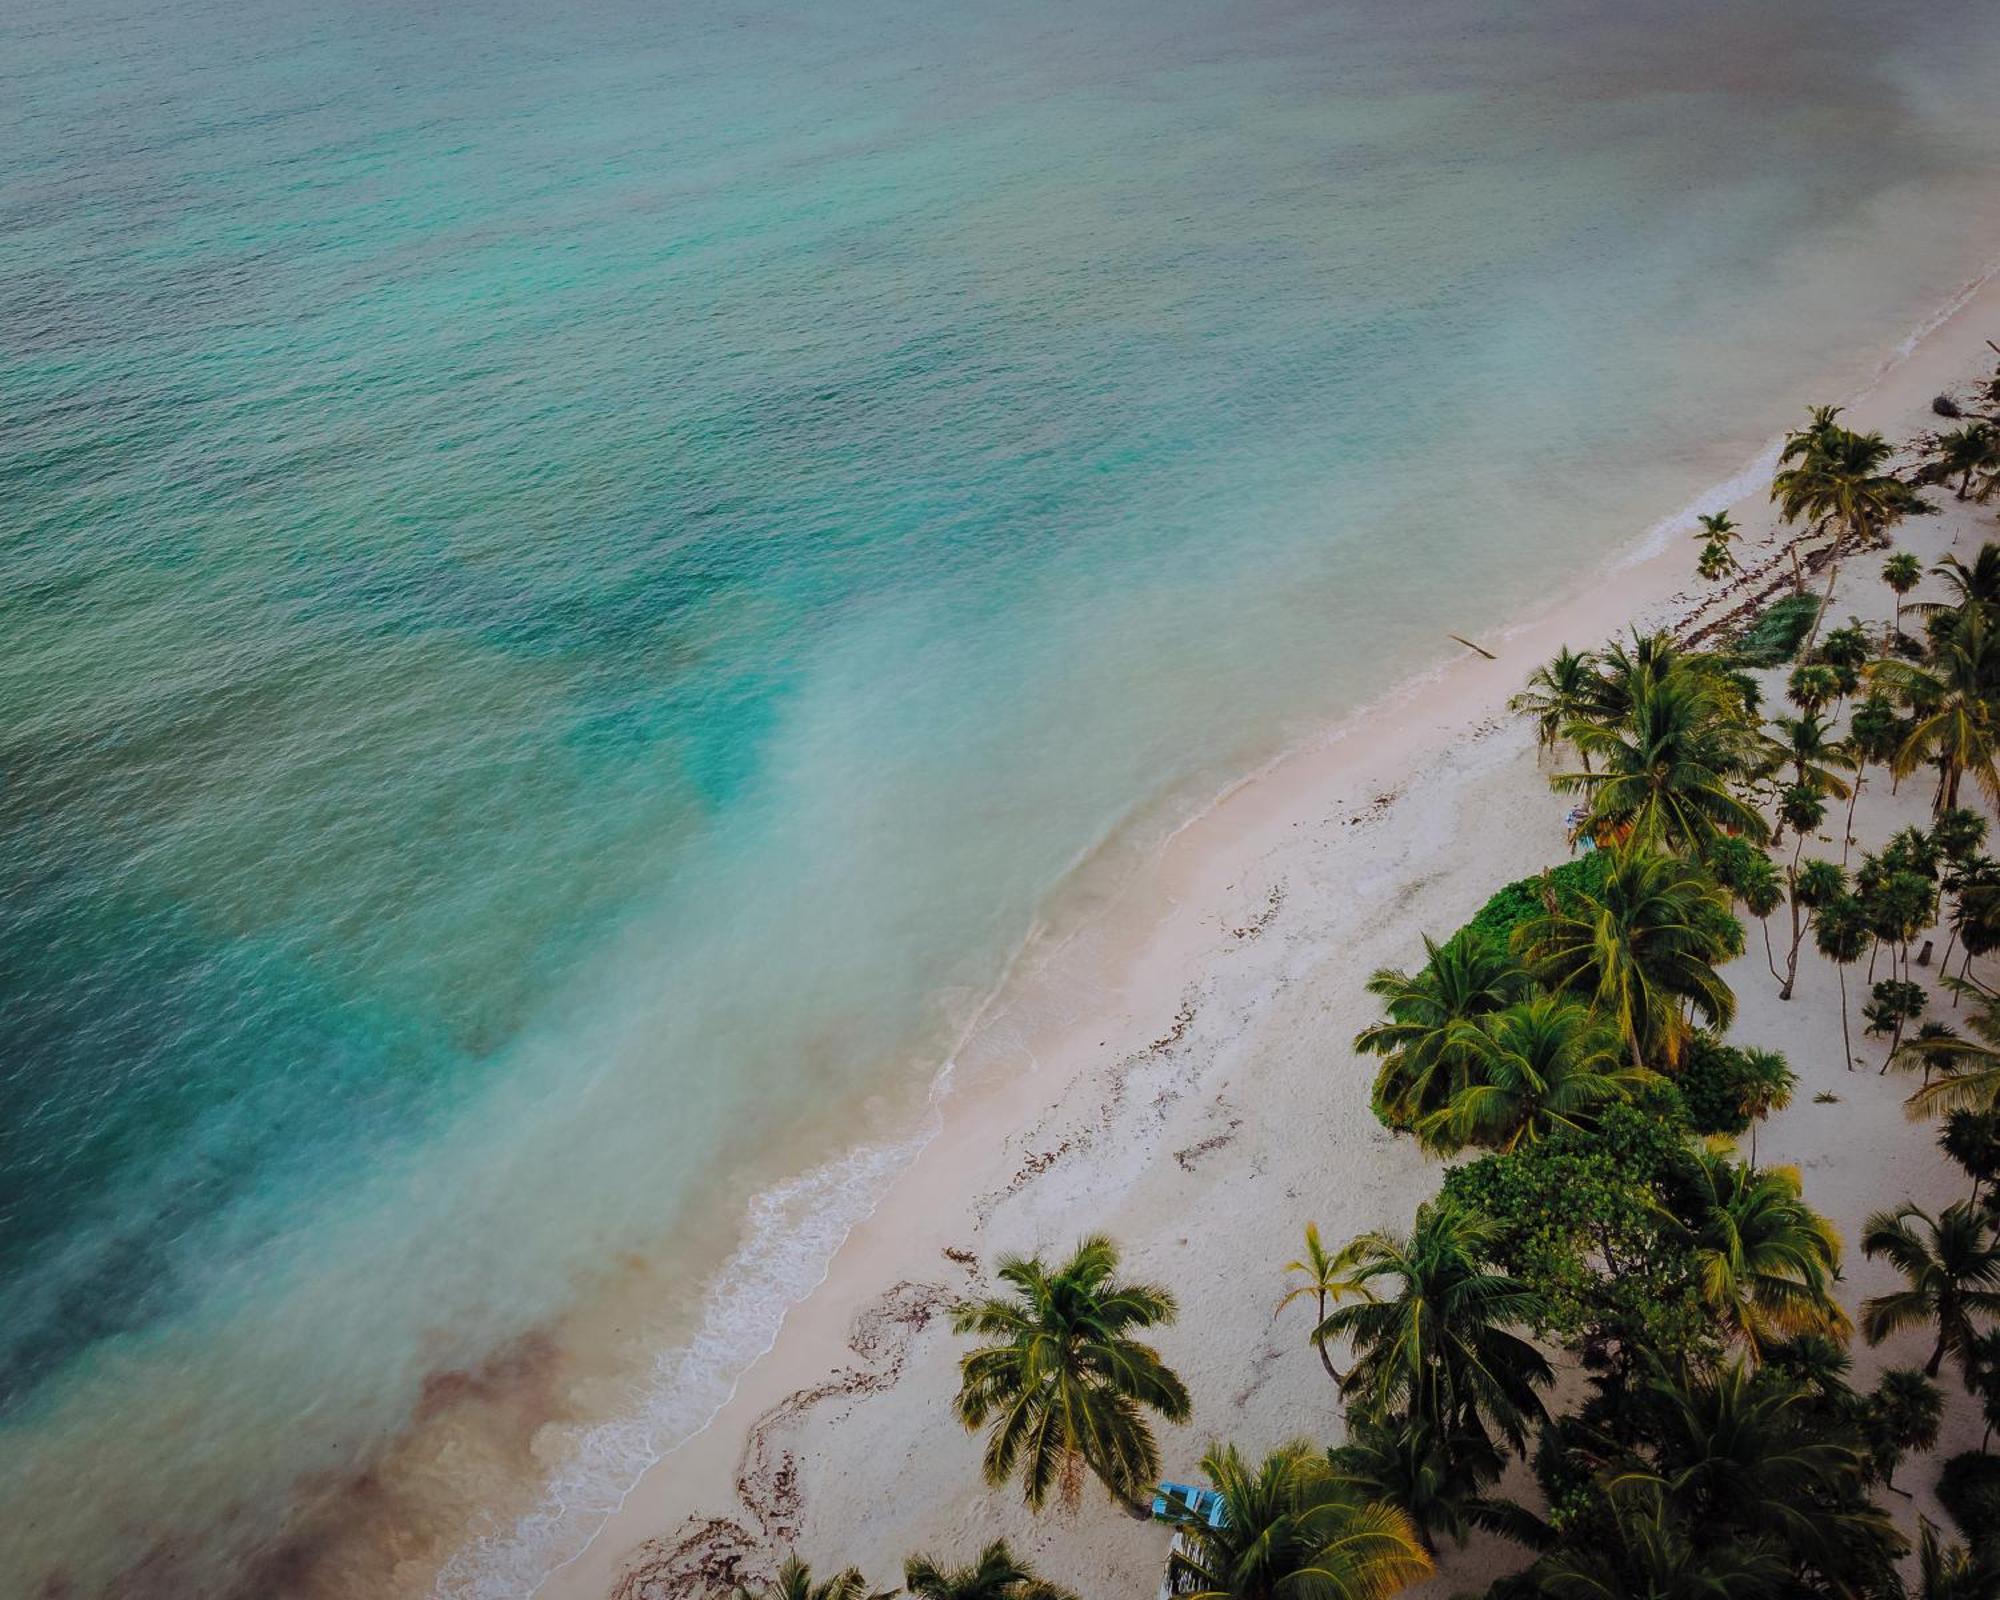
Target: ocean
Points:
(577, 579)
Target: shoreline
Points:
(1080, 1020)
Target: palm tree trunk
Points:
(1936, 1363)
(1853, 795)
(1846, 1040)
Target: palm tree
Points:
(1902, 1415)
(1651, 1553)
(1970, 1079)
(1420, 1042)
(1766, 1260)
(1753, 1457)
(794, 1582)
(1873, 734)
(1817, 758)
(1765, 1086)
(1066, 1386)
(1558, 693)
(1972, 1139)
(1965, 452)
(1643, 948)
(1325, 1280)
(1840, 931)
(1542, 1064)
(1952, 1267)
(1902, 572)
(1434, 1482)
(1949, 1571)
(1839, 477)
(1665, 768)
(1292, 1529)
(997, 1575)
(1973, 585)
(1953, 697)
(1442, 1349)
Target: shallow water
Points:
(574, 578)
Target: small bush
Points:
(1711, 1084)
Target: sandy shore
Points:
(1177, 1073)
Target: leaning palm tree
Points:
(1293, 1529)
(1423, 1054)
(997, 1575)
(1951, 1264)
(1953, 697)
(1643, 949)
(1440, 1348)
(1325, 1281)
(1664, 770)
(1542, 1064)
(1766, 1261)
(1066, 1386)
(1558, 693)
(795, 1582)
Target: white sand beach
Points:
(1176, 1072)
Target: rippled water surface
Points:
(575, 574)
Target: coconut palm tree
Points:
(1558, 693)
(1818, 759)
(1650, 1552)
(1435, 1482)
(1973, 584)
(1643, 949)
(1766, 1260)
(1663, 771)
(1970, 1075)
(1951, 1263)
(1419, 1040)
(1325, 1281)
(1542, 1064)
(1065, 1385)
(1293, 1529)
(1441, 1349)
(1840, 477)
(1837, 477)
(1950, 1571)
(998, 1574)
(1954, 700)
(795, 1582)
(1965, 453)
(1972, 1139)
(1749, 1456)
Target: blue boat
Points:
(1181, 1503)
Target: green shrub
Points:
(1774, 638)
(1969, 1488)
(1523, 899)
(1711, 1084)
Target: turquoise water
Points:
(575, 577)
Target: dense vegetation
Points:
(1569, 1048)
